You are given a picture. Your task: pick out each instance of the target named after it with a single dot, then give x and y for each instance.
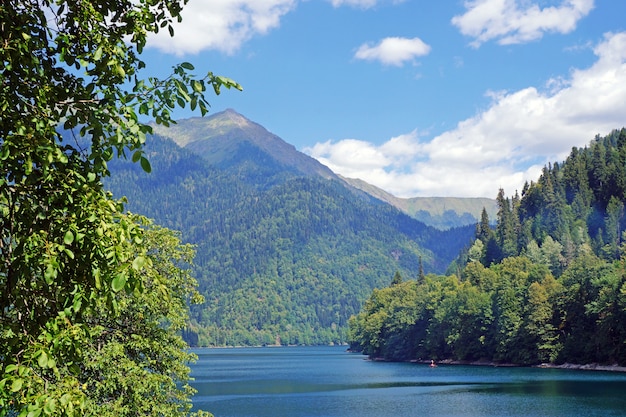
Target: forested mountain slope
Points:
(548, 284)
(282, 254)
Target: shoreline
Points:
(586, 367)
(572, 366)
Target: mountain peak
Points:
(229, 140)
(230, 116)
(189, 130)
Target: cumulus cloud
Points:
(222, 25)
(393, 50)
(501, 147)
(518, 21)
(381, 165)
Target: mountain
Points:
(440, 212)
(229, 141)
(285, 249)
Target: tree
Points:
(475, 252)
(614, 215)
(506, 235)
(420, 275)
(397, 279)
(540, 341)
(483, 229)
(67, 251)
(135, 362)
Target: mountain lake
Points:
(330, 382)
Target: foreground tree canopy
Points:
(90, 298)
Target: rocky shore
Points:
(586, 367)
(575, 366)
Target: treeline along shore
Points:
(545, 287)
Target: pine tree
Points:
(483, 229)
(505, 230)
(397, 279)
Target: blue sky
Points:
(418, 97)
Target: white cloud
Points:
(379, 165)
(501, 147)
(362, 4)
(393, 51)
(222, 25)
(518, 21)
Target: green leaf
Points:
(42, 360)
(68, 238)
(5, 153)
(118, 282)
(65, 399)
(187, 66)
(49, 406)
(50, 274)
(97, 279)
(17, 385)
(119, 70)
(198, 87)
(145, 165)
(139, 263)
(35, 412)
(98, 54)
(77, 304)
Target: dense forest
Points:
(281, 257)
(547, 284)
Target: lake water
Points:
(329, 382)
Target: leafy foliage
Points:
(67, 250)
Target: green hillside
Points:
(292, 259)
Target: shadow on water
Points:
(268, 387)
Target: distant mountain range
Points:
(440, 212)
(286, 249)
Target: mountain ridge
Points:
(440, 212)
(231, 141)
(222, 138)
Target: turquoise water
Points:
(329, 382)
